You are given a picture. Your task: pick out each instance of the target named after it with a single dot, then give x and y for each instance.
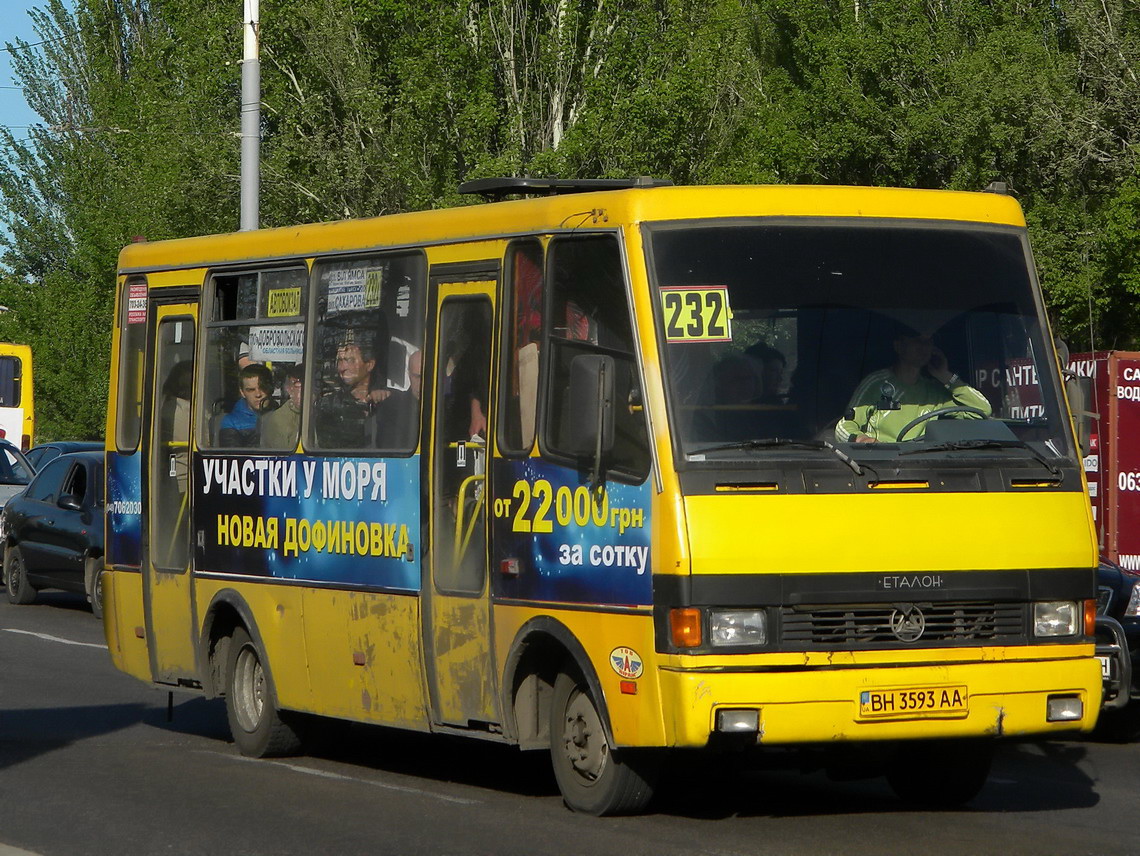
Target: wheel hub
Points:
(583, 739)
(249, 689)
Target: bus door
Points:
(457, 637)
(166, 449)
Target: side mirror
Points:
(591, 405)
(70, 503)
(1079, 392)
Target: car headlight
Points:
(1056, 618)
(1133, 608)
(738, 627)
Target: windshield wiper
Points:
(964, 445)
(785, 443)
(760, 443)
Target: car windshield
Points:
(879, 337)
(13, 469)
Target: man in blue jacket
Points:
(239, 426)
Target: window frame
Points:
(208, 323)
(308, 438)
(507, 338)
(16, 379)
(123, 371)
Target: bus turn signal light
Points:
(1090, 617)
(685, 627)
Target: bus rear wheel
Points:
(592, 777)
(940, 773)
(16, 574)
(251, 708)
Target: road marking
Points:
(324, 774)
(7, 850)
(51, 638)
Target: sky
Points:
(14, 24)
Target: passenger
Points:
(918, 382)
(772, 366)
(416, 373)
(176, 418)
(239, 427)
(279, 429)
(395, 420)
(736, 387)
(342, 414)
(737, 380)
(465, 384)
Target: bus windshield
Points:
(885, 337)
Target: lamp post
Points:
(250, 117)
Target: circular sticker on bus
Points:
(626, 662)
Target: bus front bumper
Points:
(995, 699)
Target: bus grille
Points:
(869, 625)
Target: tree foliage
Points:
(375, 106)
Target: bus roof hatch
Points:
(498, 188)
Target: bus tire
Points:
(940, 773)
(93, 582)
(15, 572)
(251, 708)
(594, 779)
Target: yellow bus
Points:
(17, 404)
(610, 469)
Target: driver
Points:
(918, 382)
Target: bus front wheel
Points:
(251, 708)
(592, 777)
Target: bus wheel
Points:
(93, 576)
(592, 778)
(251, 709)
(940, 773)
(19, 589)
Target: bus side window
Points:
(366, 367)
(132, 348)
(9, 381)
(588, 313)
(255, 337)
(522, 335)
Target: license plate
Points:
(1105, 667)
(908, 702)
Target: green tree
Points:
(376, 106)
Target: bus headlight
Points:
(738, 627)
(1133, 608)
(1056, 618)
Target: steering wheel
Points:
(935, 414)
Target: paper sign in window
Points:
(284, 343)
(353, 289)
(283, 302)
(696, 313)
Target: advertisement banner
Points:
(319, 519)
(124, 509)
(556, 538)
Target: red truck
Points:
(1112, 463)
(1106, 388)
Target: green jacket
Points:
(923, 396)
